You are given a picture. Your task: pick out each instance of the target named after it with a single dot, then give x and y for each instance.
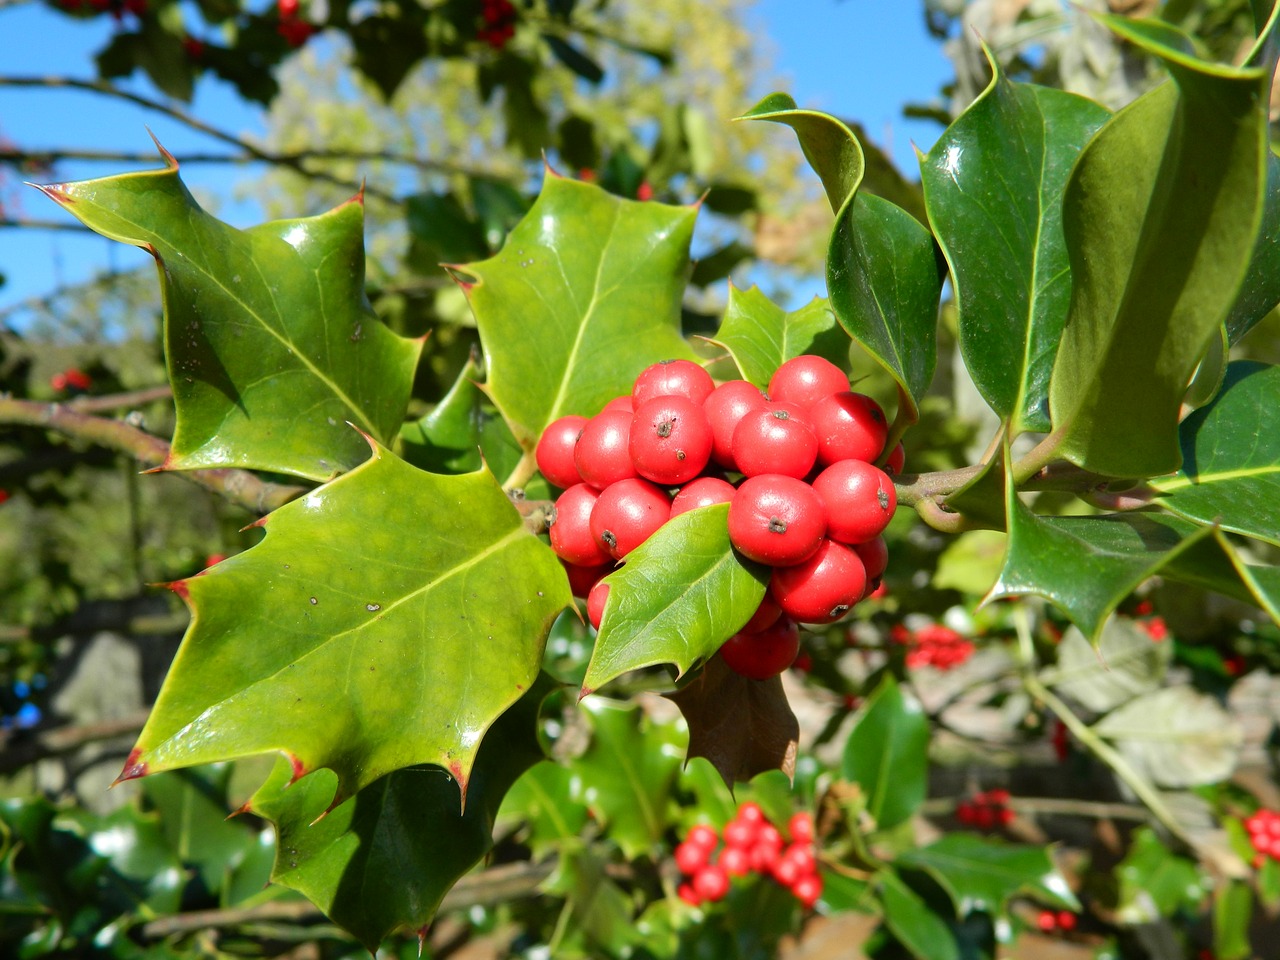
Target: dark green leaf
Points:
(887, 754)
(1261, 289)
(156, 51)
(993, 186)
(441, 231)
(680, 595)
(913, 924)
(600, 280)
(543, 799)
(574, 59)
(730, 199)
(1231, 456)
(981, 874)
(627, 773)
(761, 336)
(353, 644)
(1155, 882)
(271, 345)
(719, 263)
(1160, 217)
(386, 47)
(385, 858)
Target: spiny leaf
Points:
(886, 754)
(385, 858)
(1231, 456)
(993, 186)
(1160, 218)
(742, 726)
(680, 595)
(583, 296)
(761, 336)
(270, 343)
(920, 930)
(386, 620)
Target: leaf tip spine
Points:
(57, 192)
(170, 161)
(180, 587)
(297, 769)
(134, 767)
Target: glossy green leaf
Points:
(542, 799)
(271, 346)
(680, 595)
(887, 754)
(384, 859)
(597, 918)
(583, 296)
(761, 336)
(1126, 663)
(1155, 882)
(925, 935)
(461, 432)
(1232, 913)
(357, 645)
(884, 272)
(627, 773)
(993, 185)
(1231, 456)
(1260, 291)
(1160, 218)
(980, 873)
(1175, 737)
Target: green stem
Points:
(903, 420)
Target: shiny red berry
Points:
(860, 500)
(672, 377)
(728, 404)
(595, 603)
(849, 426)
(670, 441)
(775, 439)
(807, 379)
(711, 882)
(765, 654)
(554, 453)
(602, 453)
(823, 588)
(703, 492)
(626, 514)
(570, 532)
(776, 520)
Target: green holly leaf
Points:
(597, 919)
(884, 272)
(543, 799)
(993, 187)
(981, 873)
(1160, 217)
(680, 595)
(1155, 882)
(598, 281)
(271, 346)
(920, 930)
(353, 635)
(761, 336)
(887, 754)
(1260, 292)
(384, 859)
(1231, 456)
(627, 774)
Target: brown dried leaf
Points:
(742, 726)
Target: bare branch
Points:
(61, 740)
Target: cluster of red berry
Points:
(810, 502)
(1050, 920)
(295, 30)
(1264, 833)
(499, 18)
(933, 645)
(986, 810)
(71, 381)
(751, 845)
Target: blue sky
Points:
(860, 59)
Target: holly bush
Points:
(405, 643)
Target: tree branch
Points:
(60, 740)
(238, 486)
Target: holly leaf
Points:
(1260, 292)
(1175, 737)
(543, 799)
(761, 336)
(884, 272)
(920, 930)
(1155, 882)
(625, 777)
(1230, 472)
(980, 873)
(680, 595)
(887, 754)
(742, 726)
(384, 859)
(1160, 218)
(1125, 664)
(271, 347)
(600, 280)
(386, 620)
(993, 185)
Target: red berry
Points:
(736, 860)
(595, 603)
(765, 654)
(602, 453)
(800, 826)
(1066, 920)
(808, 889)
(860, 500)
(766, 615)
(287, 8)
(711, 882)
(786, 871)
(644, 191)
(570, 531)
(849, 426)
(686, 893)
(802, 856)
(620, 403)
(702, 492)
(582, 579)
(767, 848)
(807, 379)
(775, 439)
(741, 833)
(672, 377)
(823, 588)
(874, 555)
(703, 836)
(751, 812)
(554, 452)
(897, 460)
(690, 856)
(727, 404)
(670, 440)
(776, 520)
(1047, 921)
(628, 513)
(967, 813)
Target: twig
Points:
(119, 401)
(1052, 806)
(238, 486)
(62, 740)
(28, 223)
